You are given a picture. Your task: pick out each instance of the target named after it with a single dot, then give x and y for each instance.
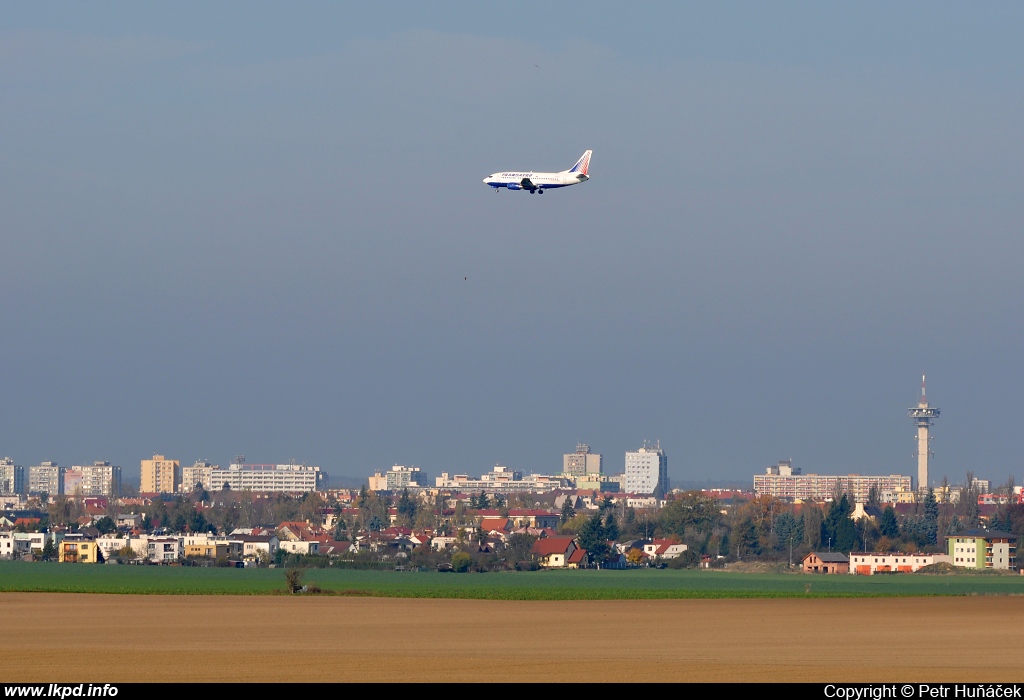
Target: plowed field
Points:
(111, 638)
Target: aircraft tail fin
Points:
(582, 165)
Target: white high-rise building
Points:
(268, 478)
(96, 479)
(647, 470)
(12, 477)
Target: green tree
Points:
(955, 525)
(611, 528)
(520, 547)
(747, 541)
(567, 511)
(105, 525)
(592, 537)
(461, 562)
(406, 509)
(931, 519)
(837, 526)
(574, 525)
(789, 530)
(889, 526)
(197, 521)
(689, 510)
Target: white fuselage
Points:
(529, 180)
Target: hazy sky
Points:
(246, 228)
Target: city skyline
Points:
(263, 229)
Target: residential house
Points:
(77, 549)
(128, 521)
(983, 549)
(300, 547)
(254, 545)
(826, 563)
(664, 549)
(15, 545)
(578, 559)
(110, 544)
(868, 563)
(441, 543)
(207, 550)
(500, 526)
(164, 549)
(554, 552)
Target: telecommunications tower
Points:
(922, 415)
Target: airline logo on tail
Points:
(582, 164)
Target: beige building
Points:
(581, 462)
(160, 475)
(199, 474)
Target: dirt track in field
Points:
(111, 638)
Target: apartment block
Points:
(268, 478)
(96, 479)
(647, 470)
(199, 474)
(12, 477)
(983, 549)
(398, 478)
(783, 480)
(581, 462)
(46, 477)
(160, 475)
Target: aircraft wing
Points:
(527, 185)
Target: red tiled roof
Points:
(577, 556)
(552, 545)
(490, 524)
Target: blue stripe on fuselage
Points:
(504, 185)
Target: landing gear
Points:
(540, 191)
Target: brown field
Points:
(109, 638)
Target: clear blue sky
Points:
(247, 228)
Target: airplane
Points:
(538, 182)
